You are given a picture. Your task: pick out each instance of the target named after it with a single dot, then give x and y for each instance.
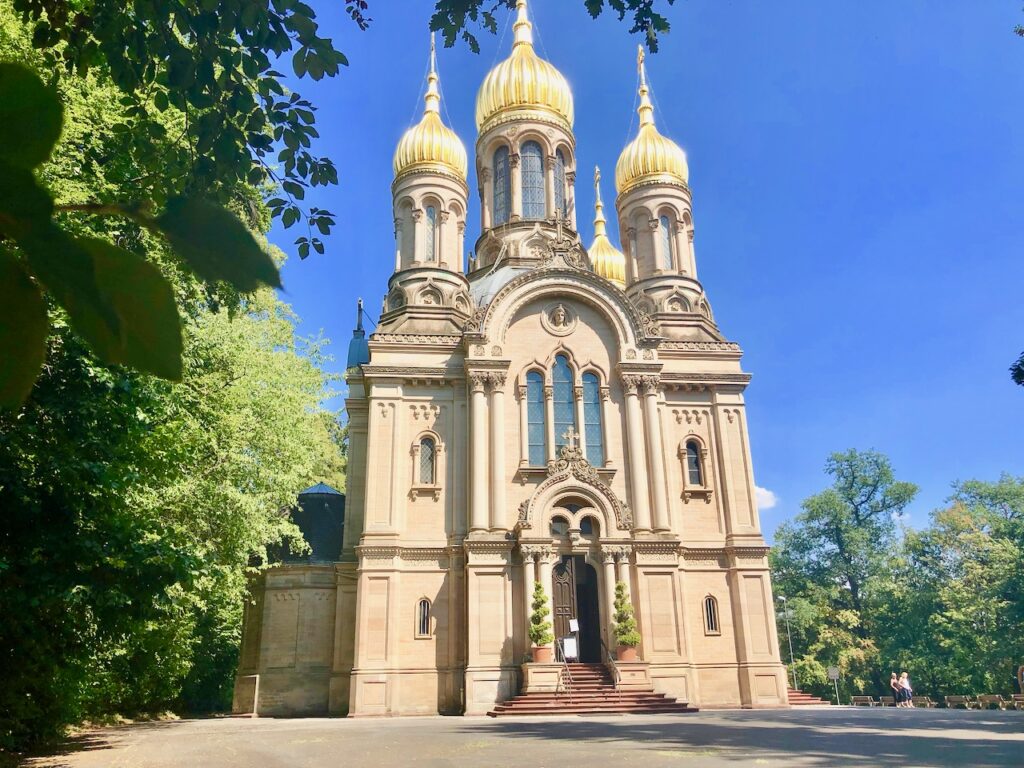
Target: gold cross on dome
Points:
(570, 436)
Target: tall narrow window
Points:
(666, 242)
(423, 618)
(430, 234)
(711, 616)
(537, 437)
(564, 400)
(694, 470)
(592, 419)
(428, 461)
(534, 204)
(502, 186)
(560, 198)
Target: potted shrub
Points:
(540, 627)
(626, 634)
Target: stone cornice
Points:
(418, 339)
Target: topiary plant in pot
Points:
(540, 627)
(626, 634)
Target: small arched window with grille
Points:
(561, 204)
(430, 234)
(665, 230)
(592, 419)
(536, 429)
(502, 186)
(423, 618)
(559, 526)
(564, 399)
(694, 468)
(428, 461)
(711, 626)
(534, 203)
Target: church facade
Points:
(552, 412)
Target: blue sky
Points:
(858, 183)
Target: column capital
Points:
(549, 391)
(417, 214)
(485, 174)
(532, 552)
(443, 216)
(497, 380)
(631, 382)
(478, 380)
(577, 391)
(521, 391)
(651, 383)
(513, 160)
(570, 176)
(618, 552)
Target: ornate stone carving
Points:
(495, 351)
(701, 346)
(475, 321)
(650, 384)
(424, 411)
(558, 319)
(415, 338)
(478, 380)
(496, 379)
(631, 383)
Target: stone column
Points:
(516, 203)
(632, 262)
(478, 453)
(497, 380)
(693, 254)
(418, 246)
(486, 198)
(581, 425)
(656, 452)
(570, 197)
(549, 187)
(608, 562)
(460, 243)
(529, 567)
(549, 419)
(682, 248)
(637, 455)
(398, 245)
(524, 427)
(440, 244)
(544, 562)
(605, 421)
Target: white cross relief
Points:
(570, 436)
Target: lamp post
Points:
(789, 637)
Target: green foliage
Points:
(1017, 371)
(626, 633)
(540, 627)
(944, 603)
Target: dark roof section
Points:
(358, 348)
(321, 488)
(320, 516)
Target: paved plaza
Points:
(807, 737)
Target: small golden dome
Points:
(430, 144)
(524, 83)
(605, 259)
(650, 157)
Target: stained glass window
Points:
(564, 400)
(694, 471)
(431, 233)
(427, 460)
(666, 242)
(537, 433)
(592, 419)
(560, 201)
(502, 186)
(534, 204)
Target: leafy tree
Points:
(830, 562)
(1017, 371)
(540, 627)
(626, 633)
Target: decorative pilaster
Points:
(656, 452)
(570, 197)
(478, 452)
(637, 455)
(549, 419)
(524, 426)
(549, 186)
(516, 208)
(497, 408)
(608, 566)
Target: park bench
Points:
(925, 702)
(863, 701)
(886, 701)
(990, 700)
(1018, 700)
(961, 702)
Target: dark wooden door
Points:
(563, 590)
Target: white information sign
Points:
(569, 648)
(574, 626)
(833, 673)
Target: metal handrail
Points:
(616, 677)
(560, 654)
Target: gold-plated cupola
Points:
(430, 145)
(605, 259)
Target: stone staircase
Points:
(801, 699)
(590, 692)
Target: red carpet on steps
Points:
(592, 692)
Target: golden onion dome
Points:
(605, 259)
(650, 157)
(430, 144)
(524, 84)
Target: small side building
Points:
(288, 626)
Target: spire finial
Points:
(359, 315)
(523, 29)
(433, 97)
(599, 221)
(646, 108)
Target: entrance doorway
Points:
(575, 596)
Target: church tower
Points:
(655, 215)
(525, 155)
(428, 292)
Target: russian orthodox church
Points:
(553, 413)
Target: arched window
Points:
(423, 618)
(537, 434)
(534, 204)
(430, 233)
(428, 461)
(502, 186)
(711, 616)
(666, 242)
(564, 400)
(559, 526)
(592, 419)
(560, 198)
(694, 470)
